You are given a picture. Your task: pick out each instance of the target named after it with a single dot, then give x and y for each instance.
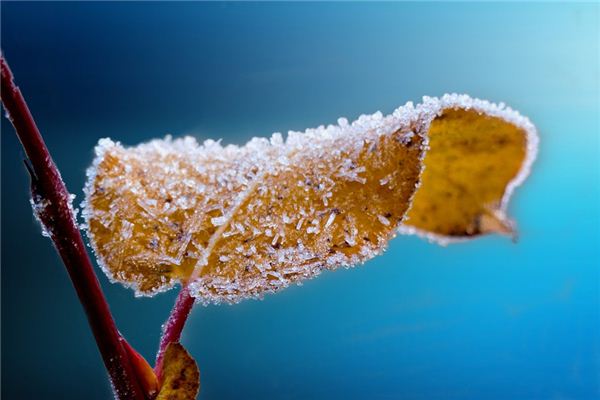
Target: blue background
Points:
(484, 320)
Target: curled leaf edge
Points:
(433, 107)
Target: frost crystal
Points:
(39, 204)
(330, 220)
(383, 220)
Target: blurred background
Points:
(488, 319)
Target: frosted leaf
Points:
(259, 221)
(236, 222)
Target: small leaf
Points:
(181, 377)
(478, 154)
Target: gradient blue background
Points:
(485, 320)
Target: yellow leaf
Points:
(478, 154)
(181, 377)
(236, 222)
(241, 221)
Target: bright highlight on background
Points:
(490, 319)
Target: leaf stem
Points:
(57, 217)
(174, 325)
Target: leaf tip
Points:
(496, 221)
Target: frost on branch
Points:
(237, 222)
(40, 206)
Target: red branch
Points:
(174, 325)
(54, 211)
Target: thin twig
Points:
(174, 325)
(53, 207)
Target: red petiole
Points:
(174, 326)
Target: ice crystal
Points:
(39, 205)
